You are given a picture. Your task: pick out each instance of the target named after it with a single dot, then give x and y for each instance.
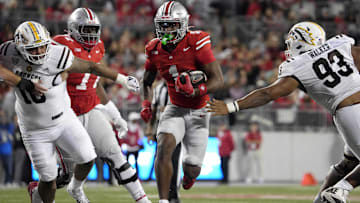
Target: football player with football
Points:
(45, 117)
(327, 70)
(174, 52)
(89, 102)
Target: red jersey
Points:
(82, 86)
(226, 142)
(253, 140)
(191, 53)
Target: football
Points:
(197, 77)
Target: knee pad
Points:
(125, 174)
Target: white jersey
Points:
(39, 112)
(327, 73)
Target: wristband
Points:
(121, 79)
(233, 107)
(146, 103)
(202, 89)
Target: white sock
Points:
(344, 184)
(36, 196)
(136, 190)
(163, 201)
(76, 184)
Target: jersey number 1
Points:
(345, 69)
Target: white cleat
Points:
(334, 195)
(78, 195)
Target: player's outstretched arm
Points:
(9, 77)
(14, 80)
(281, 87)
(100, 69)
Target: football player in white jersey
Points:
(327, 71)
(46, 119)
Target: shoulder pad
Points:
(4, 47)
(198, 36)
(63, 39)
(343, 38)
(101, 46)
(285, 68)
(152, 44)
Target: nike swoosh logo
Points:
(185, 49)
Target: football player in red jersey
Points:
(174, 51)
(89, 101)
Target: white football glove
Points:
(121, 127)
(130, 82)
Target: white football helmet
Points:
(168, 13)
(303, 37)
(29, 35)
(84, 26)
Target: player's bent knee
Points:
(125, 174)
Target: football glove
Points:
(146, 113)
(183, 83)
(121, 127)
(130, 82)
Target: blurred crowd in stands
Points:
(247, 39)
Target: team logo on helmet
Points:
(304, 35)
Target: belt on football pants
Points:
(57, 116)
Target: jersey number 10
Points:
(345, 69)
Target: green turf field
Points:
(198, 194)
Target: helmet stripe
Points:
(34, 31)
(168, 8)
(89, 13)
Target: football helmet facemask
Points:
(303, 37)
(31, 35)
(84, 26)
(174, 15)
